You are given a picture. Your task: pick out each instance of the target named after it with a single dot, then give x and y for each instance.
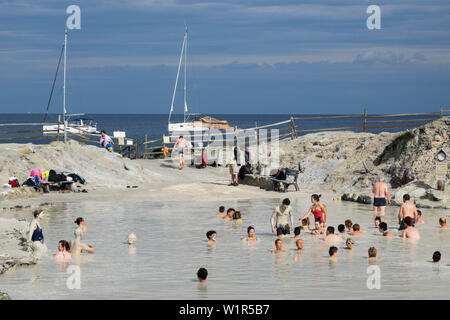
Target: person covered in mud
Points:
(282, 221)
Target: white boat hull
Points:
(185, 127)
(52, 129)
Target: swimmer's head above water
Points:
(202, 274)
(211, 235)
(131, 238)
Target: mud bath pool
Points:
(171, 246)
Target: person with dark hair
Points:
(237, 217)
(356, 230)
(333, 252)
(35, 234)
(318, 210)
(282, 220)
(419, 217)
(63, 250)
(80, 222)
(278, 247)
(106, 141)
(182, 145)
(407, 209)
(297, 232)
(250, 235)
(443, 223)
(410, 232)
(341, 228)
(202, 274)
(230, 214)
(383, 229)
(436, 256)
(221, 211)
(211, 235)
(318, 229)
(331, 237)
(377, 222)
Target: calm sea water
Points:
(154, 126)
(171, 247)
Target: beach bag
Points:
(52, 177)
(36, 172)
(33, 182)
(14, 182)
(45, 174)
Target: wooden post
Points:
(59, 120)
(145, 148)
(293, 131)
(365, 120)
(136, 150)
(441, 112)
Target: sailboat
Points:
(197, 124)
(77, 126)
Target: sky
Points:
(253, 56)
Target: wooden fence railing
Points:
(163, 146)
(292, 127)
(37, 133)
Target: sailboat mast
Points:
(178, 75)
(64, 86)
(185, 63)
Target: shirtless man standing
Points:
(410, 232)
(380, 194)
(182, 144)
(281, 217)
(408, 209)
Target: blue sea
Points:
(154, 126)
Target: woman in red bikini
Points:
(318, 210)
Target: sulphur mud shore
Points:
(347, 163)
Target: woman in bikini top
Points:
(318, 210)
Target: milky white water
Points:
(171, 246)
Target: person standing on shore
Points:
(380, 195)
(35, 235)
(281, 217)
(408, 209)
(182, 144)
(106, 141)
